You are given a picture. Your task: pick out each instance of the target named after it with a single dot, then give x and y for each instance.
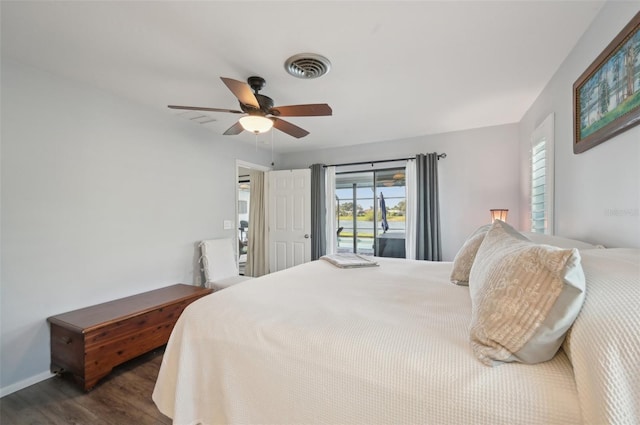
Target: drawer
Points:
(132, 325)
(116, 351)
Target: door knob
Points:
(306, 236)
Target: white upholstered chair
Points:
(220, 263)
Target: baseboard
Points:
(25, 383)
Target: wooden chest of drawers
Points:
(90, 341)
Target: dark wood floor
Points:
(122, 398)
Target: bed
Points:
(390, 345)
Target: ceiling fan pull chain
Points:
(272, 147)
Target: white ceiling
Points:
(399, 69)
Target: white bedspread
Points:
(319, 344)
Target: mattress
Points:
(324, 345)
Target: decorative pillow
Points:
(464, 258)
(524, 297)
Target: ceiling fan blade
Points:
(234, 129)
(290, 129)
(198, 108)
(242, 91)
(311, 110)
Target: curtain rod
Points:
(440, 156)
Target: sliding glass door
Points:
(371, 212)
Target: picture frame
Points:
(606, 97)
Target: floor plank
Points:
(122, 398)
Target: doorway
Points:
(244, 199)
(243, 207)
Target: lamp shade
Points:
(256, 123)
(499, 214)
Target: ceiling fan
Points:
(259, 109)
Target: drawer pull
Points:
(66, 340)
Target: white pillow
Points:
(524, 297)
(558, 241)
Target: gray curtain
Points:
(318, 212)
(428, 244)
(257, 238)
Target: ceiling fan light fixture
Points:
(256, 123)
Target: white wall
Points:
(101, 199)
(597, 193)
(480, 172)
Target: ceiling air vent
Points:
(307, 65)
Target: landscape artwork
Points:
(607, 95)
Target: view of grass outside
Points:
(627, 106)
(359, 210)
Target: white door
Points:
(289, 218)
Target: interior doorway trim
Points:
(244, 164)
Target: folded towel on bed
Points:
(349, 260)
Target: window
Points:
(542, 150)
(360, 214)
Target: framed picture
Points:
(606, 97)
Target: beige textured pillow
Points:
(464, 258)
(524, 297)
